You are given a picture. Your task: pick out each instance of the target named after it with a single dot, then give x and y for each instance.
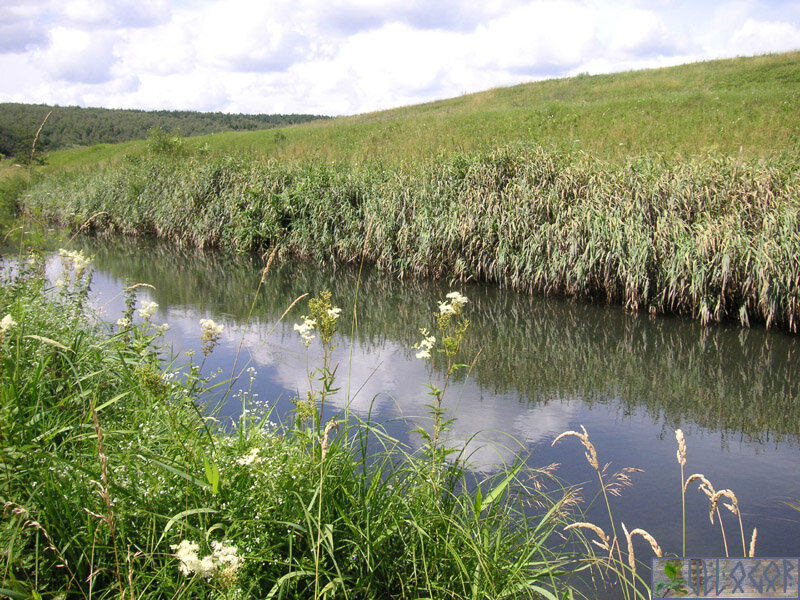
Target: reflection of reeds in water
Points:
(591, 347)
(626, 571)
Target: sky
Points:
(344, 57)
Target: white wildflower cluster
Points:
(334, 312)
(209, 334)
(123, 322)
(147, 310)
(250, 458)
(305, 328)
(5, 324)
(223, 560)
(453, 303)
(75, 265)
(426, 345)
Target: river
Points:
(544, 366)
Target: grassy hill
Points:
(747, 106)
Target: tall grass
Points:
(715, 238)
(117, 482)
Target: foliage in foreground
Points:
(115, 483)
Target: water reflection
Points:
(726, 379)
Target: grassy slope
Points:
(748, 104)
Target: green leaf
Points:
(212, 474)
(500, 488)
(672, 569)
(48, 341)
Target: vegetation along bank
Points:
(714, 237)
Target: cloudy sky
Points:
(351, 56)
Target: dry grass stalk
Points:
(629, 538)
(108, 519)
(52, 547)
(681, 454)
(605, 541)
(270, 260)
(591, 454)
(38, 133)
(733, 507)
(752, 551)
(323, 441)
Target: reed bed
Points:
(715, 238)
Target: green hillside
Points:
(71, 126)
(744, 105)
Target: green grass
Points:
(747, 106)
(109, 464)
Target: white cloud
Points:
(765, 36)
(350, 56)
(540, 38)
(78, 56)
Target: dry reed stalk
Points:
(631, 556)
(36, 137)
(591, 454)
(605, 541)
(752, 551)
(733, 507)
(708, 489)
(106, 496)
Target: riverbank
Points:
(716, 238)
(118, 482)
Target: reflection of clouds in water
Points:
(390, 382)
(384, 378)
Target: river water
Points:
(544, 366)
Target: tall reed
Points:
(713, 238)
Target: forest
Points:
(70, 126)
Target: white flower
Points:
(60, 282)
(249, 458)
(446, 309)
(123, 322)
(333, 313)
(186, 552)
(425, 345)
(147, 310)
(161, 329)
(226, 556)
(223, 558)
(304, 329)
(75, 262)
(7, 323)
(457, 299)
(209, 334)
(206, 566)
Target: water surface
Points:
(544, 366)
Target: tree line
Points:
(70, 126)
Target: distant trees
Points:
(70, 126)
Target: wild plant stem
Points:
(683, 512)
